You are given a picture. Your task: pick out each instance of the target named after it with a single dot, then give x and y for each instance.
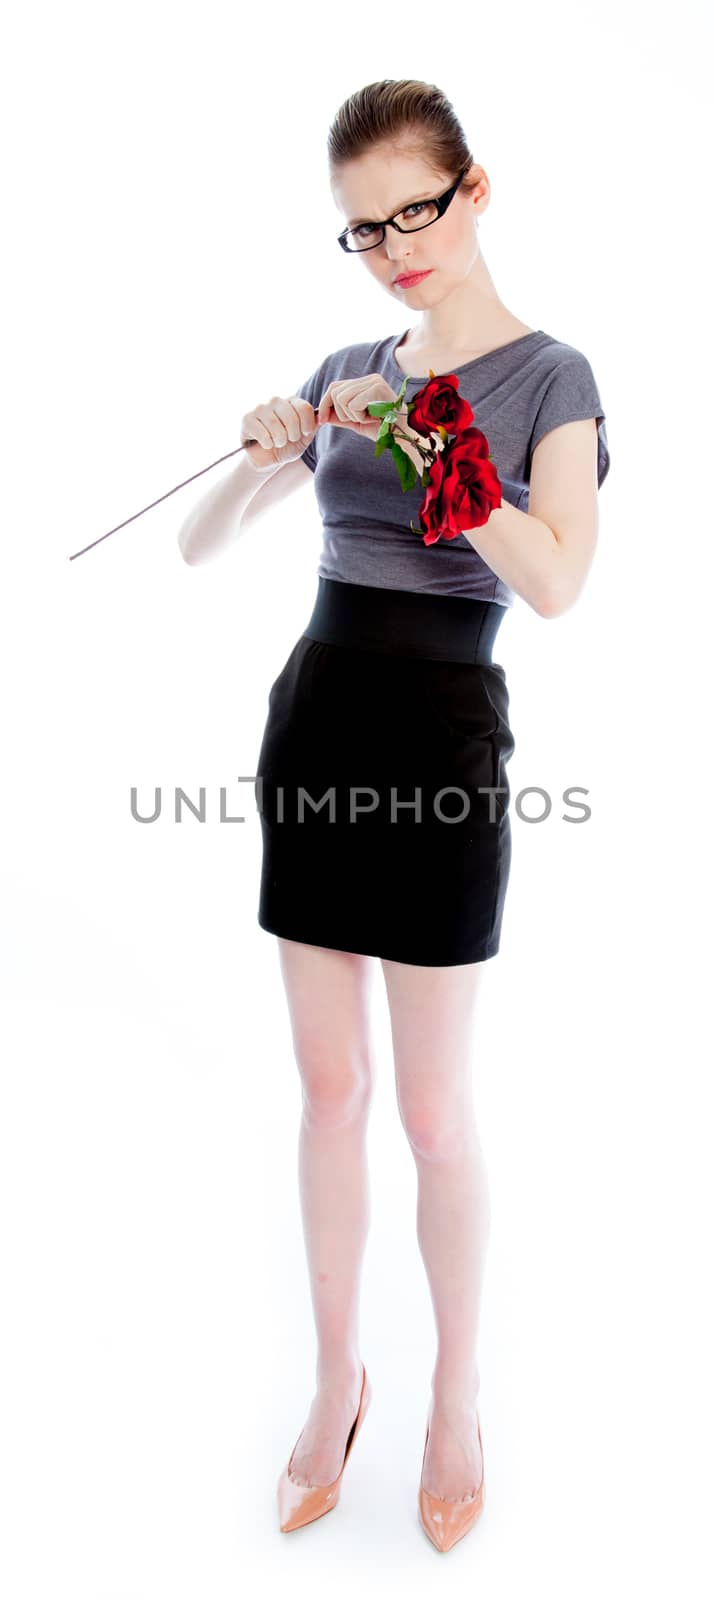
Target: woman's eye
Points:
(364, 230)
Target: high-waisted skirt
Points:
(381, 782)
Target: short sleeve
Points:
(312, 389)
(571, 395)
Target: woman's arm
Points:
(281, 484)
(544, 554)
(220, 517)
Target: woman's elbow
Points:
(189, 551)
(560, 597)
(552, 604)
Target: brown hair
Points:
(417, 116)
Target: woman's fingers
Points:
(281, 427)
(345, 401)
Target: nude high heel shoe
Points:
(298, 1504)
(446, 1521)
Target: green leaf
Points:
(381, 408)
(405, 466)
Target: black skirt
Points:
(381, 782)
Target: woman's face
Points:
(384, 181)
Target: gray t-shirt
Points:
(517, 393)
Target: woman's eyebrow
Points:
(425, 195)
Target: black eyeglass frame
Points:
(441, 202)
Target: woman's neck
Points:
(415, 355)
(468, 322)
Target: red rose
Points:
(438, 405)
(463, 488)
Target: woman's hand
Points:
(283, 429)
(344, 405)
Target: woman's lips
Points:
(412, 277)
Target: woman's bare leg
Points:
(431, 1012)
(328, 1000)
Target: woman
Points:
(391, 692)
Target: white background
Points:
(170, 261)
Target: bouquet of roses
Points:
(461, 482)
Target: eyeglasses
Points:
(367, 235)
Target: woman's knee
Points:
(334, 1093)
(437, 1129)
(328, 1000)
(432, 1014)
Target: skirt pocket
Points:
(456, 695)
(469, 702)
(502, 739)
